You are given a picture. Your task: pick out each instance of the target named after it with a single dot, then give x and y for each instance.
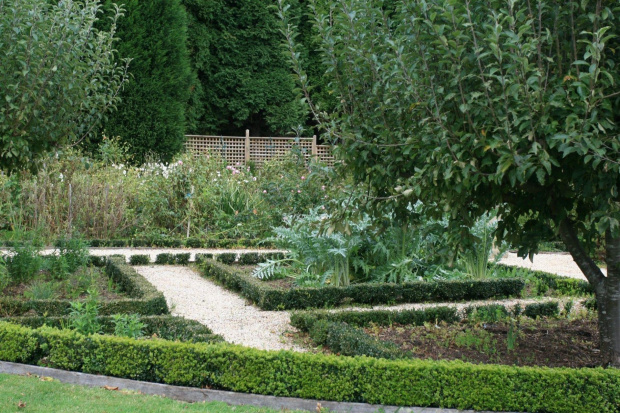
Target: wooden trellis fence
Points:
(242, 150)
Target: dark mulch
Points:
(551, 343)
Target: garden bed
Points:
(282, 294)
(544, 342)
(131, 294)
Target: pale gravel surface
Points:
(226, 313)
(557, 263)
(153, 252)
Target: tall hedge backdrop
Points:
(152, 115)
(205, 66)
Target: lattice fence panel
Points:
(232, 149)
(263, 149)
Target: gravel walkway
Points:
(226, 313)
(557, 263)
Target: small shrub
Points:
(549, 309)
(164, 258)
(25, 263)
(58, 267)
(227, 258)
(5, 279)
(75, 253)
(83, 315)
(250, 258)
(182, 259)
(202, 257)
(128, 325)
(139, 259)
(487, 313)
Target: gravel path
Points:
(557, 263)
(191, 296)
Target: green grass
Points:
(47, 395)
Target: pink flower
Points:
(303, 178)
(264, 191)
(323, 188)
(180, 162)
(299, 191)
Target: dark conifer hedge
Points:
(152, 115)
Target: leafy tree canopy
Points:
(58, 76)
(476, 105)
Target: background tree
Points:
(152, 116)
(58, 76)
(245, 81)
(479, 105)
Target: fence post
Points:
(315, 152)
(247, 146)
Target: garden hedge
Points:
(162, 326)
(270, 298)
(142, 299)
(544, 281)
(452, 384)
(304, 320)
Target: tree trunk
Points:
(608, 302)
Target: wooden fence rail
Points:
(242, 150)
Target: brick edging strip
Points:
(192, 394)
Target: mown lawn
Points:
(34, 394)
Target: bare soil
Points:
(551, 343)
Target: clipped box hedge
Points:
(562, 286)
(452, 384)
(304, 320)
(174, 243)
(142, 299)
(270, 298)
(166, 327)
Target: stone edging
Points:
(190, 394)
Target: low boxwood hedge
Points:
(143, 298)
(166, 327)
(270, 298)
(544, 281)
(452, 384)
(304, 320)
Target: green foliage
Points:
(41, 290)
(303, 320)
(24, 262)
(159, 326)
(140, 259)
(361, 379)
(349, 341)
(151, 117)
(59, 75)
(549, 309)
(164, 258)
(270, 298)
(75, 253)
(128, 325)
(244, 81)
(526, 123)
(227, 257)
(83, 315)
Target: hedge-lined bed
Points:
(271, 298)
(142, 299)
(315, 376)
(161, 326)
(340, 331)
